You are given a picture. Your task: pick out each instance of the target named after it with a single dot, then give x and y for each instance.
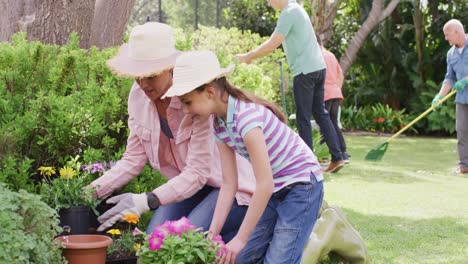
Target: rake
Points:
(378, 152)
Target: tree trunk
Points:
(109, 22)
(419, 37)
(49, 21)
(322, 17)
(376, 15)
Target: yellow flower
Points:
(131, 218)
(114, 232)
(67, 173)
(48, 171)
(137, 246)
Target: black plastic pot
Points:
(128, 260)
(80, 219)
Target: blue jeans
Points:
(284, 228)
(308, 94)
(199, 209)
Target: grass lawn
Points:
(410, 207)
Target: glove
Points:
(436, 99)
(127, 203)
(460, 85)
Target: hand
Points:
(233, 248)
(460, 85)
(436, 99)
(243, 58)
(127, 203)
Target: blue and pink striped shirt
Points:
(291, 160)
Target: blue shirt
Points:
(300, 45)
(291, 159)
(457, 69)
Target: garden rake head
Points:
(378, 152)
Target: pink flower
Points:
(181, 225)
(155, 241)
(137, 232)
(165, 229)
(219, 240)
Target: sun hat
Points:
(193, 69)
(149, 51)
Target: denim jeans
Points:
(284, 228)
(199, 209)
(308, 94)
(333, 106)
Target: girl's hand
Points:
(232, 250)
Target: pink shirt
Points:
(190, 160)
(334, 76)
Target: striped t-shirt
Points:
(291, 159)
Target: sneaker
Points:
(461, 170)
(346, 157)
(334, 167)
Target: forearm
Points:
(223, 207)
(445, 89)
(256, 208)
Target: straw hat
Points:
(150, 50)
(193, 69)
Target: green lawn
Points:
(410, 207)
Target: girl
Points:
(289, 189)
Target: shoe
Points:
(346, 157)
(332, 233)
(334, 167)
(461, 170)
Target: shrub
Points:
(28, 227)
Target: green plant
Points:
(180, 242)
(126, 241)
(28, 227)
(68, 189)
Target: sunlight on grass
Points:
(410, 207)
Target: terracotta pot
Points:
(89, 249)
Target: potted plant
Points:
(66, 193)
(28, 228)
(180, 242)
(126, 241)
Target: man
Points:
(294, 30)
(457, 72)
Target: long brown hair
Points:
(225, 87)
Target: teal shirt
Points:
(300, 45)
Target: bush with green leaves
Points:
(57, 102)
(28, 227)
(374, 118)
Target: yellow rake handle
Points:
(422, 115)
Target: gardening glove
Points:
(127, 203)
(460, 85)
(436, 99)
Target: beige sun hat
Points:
(193, 69)
(149, 51)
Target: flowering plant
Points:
(126, 241)
(180, 242)
(68, 189)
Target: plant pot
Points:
(88, 249)
(127, 260)
(81, 220)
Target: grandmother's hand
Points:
(127, 203)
